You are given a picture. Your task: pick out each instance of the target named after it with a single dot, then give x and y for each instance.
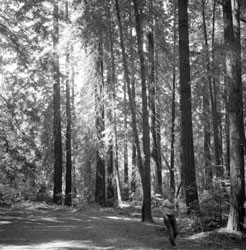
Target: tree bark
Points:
(57, 193)
(228, 36)
(134, 170)
(68, 191)
(130, 90)
(110, 113)
(100, 127)
(73, 135)
(231, 10)
(153, 114)
(206, 109)
(154, 102)
(187, 148)
(216, 117)
(136, 153)
(172, 167)
(146, 207)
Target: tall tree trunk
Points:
(130, 90)
(118, 184)
(153, 102)
(110, 89)
(171, 169)
(217, 132)
(57, 194)
(227, 132)
(112, 96)
(158, 128)
(228, 36)
(114, 126)
(126, 165)
(131, 96)
(187, 147)
(206, 109)
(146, 208)
(158, 141)
(216, 117)
(153, 108)
(74, 143)
(100, 127)
(134, 170)
(126, 113)
(68, 191)
(136, 153)
(231, 11)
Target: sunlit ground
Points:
(206, 234)
(121, 218)
(55, 245)
(58, 223)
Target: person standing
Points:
(168, 208)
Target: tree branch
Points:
(166, 161)
(13, 39)
(243, 20)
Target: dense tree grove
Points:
(115, 101)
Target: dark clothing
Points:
(171, 226)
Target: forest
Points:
(114, 102)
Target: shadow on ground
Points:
(48, 227)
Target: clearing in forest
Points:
(40, 226)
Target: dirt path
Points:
(45, 227)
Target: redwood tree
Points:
(146, 206)
(206, 107)
(187, 147)
(100, 127)
(68, 191)
(231, 11)
(57, 194)
(173, 112)
(153, 103)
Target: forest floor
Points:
(39, 226)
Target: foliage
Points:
(23, 102)
(8, 196)
(214, 205)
